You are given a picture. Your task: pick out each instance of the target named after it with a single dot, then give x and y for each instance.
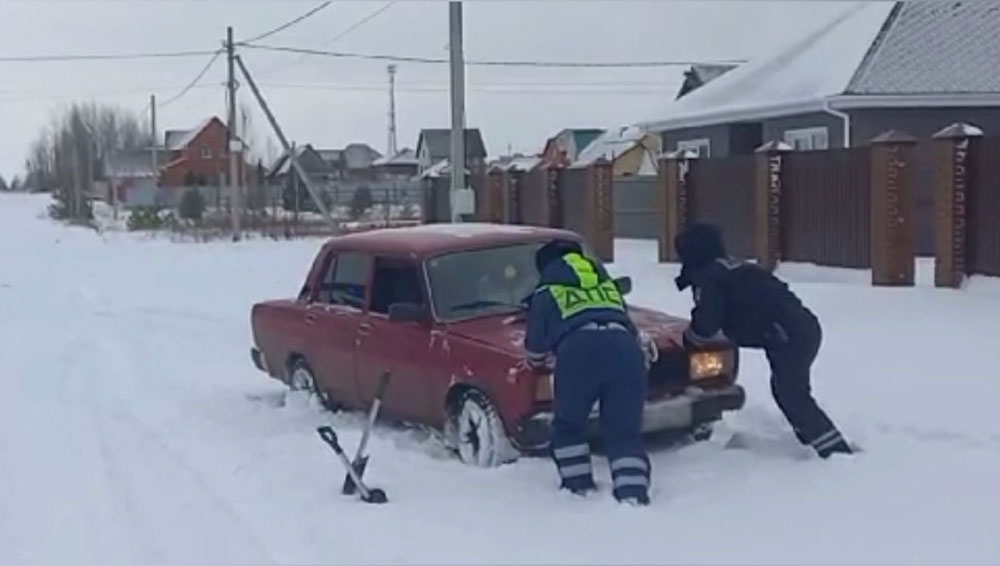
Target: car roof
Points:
(431, 239)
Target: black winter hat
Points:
(553, 251)
(697, 246)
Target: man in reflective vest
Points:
(578, 315)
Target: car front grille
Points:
(669, 375)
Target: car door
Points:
(334, 316)
(402, 348)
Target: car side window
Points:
(347, 280)
(395, 281)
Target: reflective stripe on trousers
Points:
(630, 471)
(827, 440)
(573, 461)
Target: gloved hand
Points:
(688, 345)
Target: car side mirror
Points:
(407, 312)
(624, 285)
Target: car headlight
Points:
(706, 365)
(544, 386)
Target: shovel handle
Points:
(383, 384)
(330, 437)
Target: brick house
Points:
(199, 155)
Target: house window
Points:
(701, 147)
(808, 139)
(206, 152)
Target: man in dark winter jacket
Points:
(577, 313)
(754, 309)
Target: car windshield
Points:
(482, 282)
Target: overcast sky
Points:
(332, 102)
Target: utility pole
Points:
(76, 179)
(154, 150)
(285, 145)
(391, 146)
(457, 65)
(233, 141)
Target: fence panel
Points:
(723, 193)
(635, 202)
(826, 207)
(924, 172)
(573, 199)
(984, 211)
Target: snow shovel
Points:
(360, 461)
(368, 495)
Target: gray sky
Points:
(331, 102)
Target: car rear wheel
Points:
(479, 435)
(301, 378)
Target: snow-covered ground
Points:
(134, 429)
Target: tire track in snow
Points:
(118, 418)
(56, 504)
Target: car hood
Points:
(506, 332)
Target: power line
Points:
(288, 24)
(488, 89)
(358, 24)
(101, 57)
(488, 63)
(350, 29)
(194, 82)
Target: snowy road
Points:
(133, 429)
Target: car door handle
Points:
(364, 329)
(310, 318)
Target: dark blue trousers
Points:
(605, 365)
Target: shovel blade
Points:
(349, 486)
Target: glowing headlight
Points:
(705, 365)
(544, 384)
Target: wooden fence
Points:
(826, 207)
(864, 207)
(723, 193)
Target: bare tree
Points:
(66, 155)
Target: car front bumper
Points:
(694, 407)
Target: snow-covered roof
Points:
(177, 140)
(875, 54)
(523, 163)
(406, 156)
(132, 164)
(440, 169)
(611, 144)
(815, 67)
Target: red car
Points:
(439, 306)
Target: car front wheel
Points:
(479, 435)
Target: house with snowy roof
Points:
(198, 156)
(403, 165)
(631, 150)
(434, 147)
(915, 66)
(563, 148)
